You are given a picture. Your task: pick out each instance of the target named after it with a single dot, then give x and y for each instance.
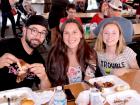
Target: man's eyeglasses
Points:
(72, 12)
(34, 31)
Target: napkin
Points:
(42, 97)
(83, 98)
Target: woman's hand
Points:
(39, 70)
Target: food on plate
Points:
(23, 68)
(44, 104)
(3, 99)
(13, 98)
(103, 84)
(121, 88)
(119, 101)
(98, 86)
(27, 101)
(108, 84)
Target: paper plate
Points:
(128, 97)
(116, 81)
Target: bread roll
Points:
(26, 101)
(121, 88)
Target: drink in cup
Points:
(87, 31)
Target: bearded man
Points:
(14, 49)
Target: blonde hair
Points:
(100, 45)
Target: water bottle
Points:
(60, 97)
(95, 97)
(87, 31)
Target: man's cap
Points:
(37, 20)
(116, 4)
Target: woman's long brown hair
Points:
(58, 62)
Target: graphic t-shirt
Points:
(121, 61)
(8, 75)
(75, 74)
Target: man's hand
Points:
(7, 59)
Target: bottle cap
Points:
(59, 87)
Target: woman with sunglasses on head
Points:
(103, 12)
(114, 56)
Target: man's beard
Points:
(32, 45)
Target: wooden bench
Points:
(81, 15)
(136, 36)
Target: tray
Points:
(15, 95)
(128, 97)
(117, 82)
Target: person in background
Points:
(7, 14)
(136, 5)
(114, 57)
(71, 59)
(19, 6)
(14, 49)
(71, 13)
(47, 6)
(103, 13)
(29, 9)
(98, 1)
(80, 6)
(58, 10)
(115, 7)
(125, 5)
